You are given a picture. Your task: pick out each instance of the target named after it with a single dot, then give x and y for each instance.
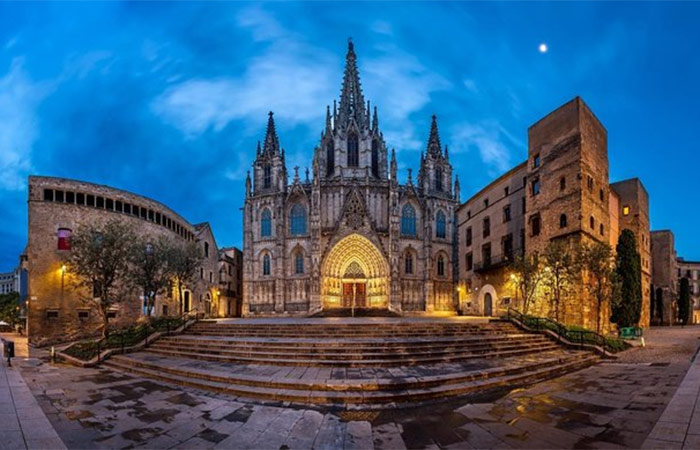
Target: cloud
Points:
(470, 85)
(290, 77)
(491, 140)
(19, 124)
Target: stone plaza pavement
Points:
(610, 405)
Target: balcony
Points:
(495, 262)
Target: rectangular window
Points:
(91, 200)
(119, 207)
(487, 227)
(144, 213)
(486, 203)
(83, 315)
(158, 218)
(135, 210)
(59, 196)
(535, 224)
(109, 204)
(470, 261)
(535, 186)
(508, 246)
(52, 314)
(506, 191)
(80, 198)
(165, 310)
(70, 197)
(536, 161)
(625, 210)
(469, 214)
(127, 208)
(468, 237)
(151, 215)
(64, 235)
(486, 254)
(590, 183)
(111, 314)
(506, 213)
(522, 205)
(48, 195)
(201, 273)
(100, 202)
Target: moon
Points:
(543, 48)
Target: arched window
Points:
(408, 263)
(299, 262)
(592, 222)
(441, 266)
(375, 158)
(267, 176)
(438, 179)
(297, 220)
(266, 223)
(266, 264)
(408, 220)
(330, 158)
(440, 225)
(353, 151)
(206, 249)
(562, 183)
(562, 221)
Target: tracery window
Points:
(440, 225)
(266, 264)
(267, 176)
(353, 151)
(297, 220)
(266, 223)
(441, 266)
(408, 220)
(375, 158)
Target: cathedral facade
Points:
(349, 235)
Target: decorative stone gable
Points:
(354, 211)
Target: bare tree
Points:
(98, 263)
(560, 273)
(184, 260)
(597, 265)
(150, 270)
(527, 276)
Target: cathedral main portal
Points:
(355, 275)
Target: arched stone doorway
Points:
(354, 273)
(488, 304)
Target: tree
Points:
(627, 305)
(527, 276)
(559, 274)
(98, 264)
(596, 261)
(9, 308)
(684, 302)
(149, 268)
(660, 305)
(184, 260)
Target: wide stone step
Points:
(303, 344)
(360, 391)
(346, 361)
(351, 352)
(341, 334)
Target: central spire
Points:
(272, 143)
(434, 147)
(352, 103)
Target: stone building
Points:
(350, 235)
(691, 271)
(57, 207)
(562, 192)
(664, 275)
(230, 282)
(10, 282)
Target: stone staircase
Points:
(366, 363)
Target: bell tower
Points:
(269, 169)
(351, 144)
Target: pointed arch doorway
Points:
(355, 274)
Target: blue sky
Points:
(168, 100)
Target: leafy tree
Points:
(660, 305)
(98, 264)
(9, 308)
(684, 302)
(596, 261)
(560, 272)
(150, 268)
(627, 306)
(527, 276)
(184, 260)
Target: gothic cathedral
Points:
(351, 236)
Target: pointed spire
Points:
(369, 108)
(375, 121)
(447, 153)
(434, 148)
(247, 184)
(457, 187)
(296, 174)
(393, 164)
(352, 104)
(307, 174)
(272, 143)
(410, 178)
(328, 118)
(258, 151)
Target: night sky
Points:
(168, 100)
